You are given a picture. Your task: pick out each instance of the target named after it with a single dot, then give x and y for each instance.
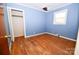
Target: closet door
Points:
(17, 22)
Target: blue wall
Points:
(38, 22)
(70, 29)
(35, 20)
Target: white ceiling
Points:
(39, 6)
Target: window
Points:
(60, 17)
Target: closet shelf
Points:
(17, 16)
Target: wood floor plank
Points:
(43, 45)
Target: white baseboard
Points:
(61, 36)
(51, 34)
(35, 35)
(68, 38)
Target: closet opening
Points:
(17, 23)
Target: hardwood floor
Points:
(43, 45)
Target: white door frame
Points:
(10, 21)
(77, 45)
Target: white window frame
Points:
(56, 22)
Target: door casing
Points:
(10, 21)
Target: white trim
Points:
(62, 36)
(35, 34)
(56, 21)
(10, 22)
(51, 34)
(77, 45)
(24, 24)
(68, 38)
